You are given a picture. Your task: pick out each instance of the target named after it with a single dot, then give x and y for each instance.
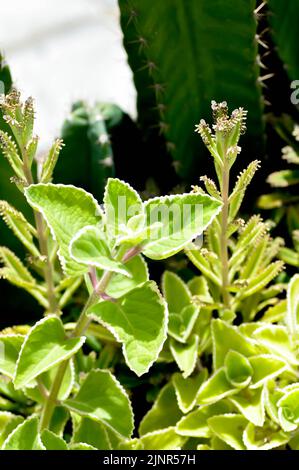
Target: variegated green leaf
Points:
(185, 355)
(67, 210)
(183, 217)
(164, 413)
(138, 320)
(293, 305)
(229, 428)
(186, 389)
(90, 248)
(44, 347)
(102, 398)
(10, 346)
(24, 437)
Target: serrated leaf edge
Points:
(38, 323)
(162, 302)
(98, 210)
(122, 389)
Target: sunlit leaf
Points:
(44, 347)
(102, 399)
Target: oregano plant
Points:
(72, 238)
(233, 336)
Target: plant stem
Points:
(81, 326)
(43, 244)
(51, 401)
(48, 269)
(83, 320)
(224, 240)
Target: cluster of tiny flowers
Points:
(223, 122)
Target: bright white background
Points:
(63, 50)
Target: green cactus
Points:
(283, 19)
(184, 54)
(87, 157)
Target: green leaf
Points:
(121, 203)
(10, 346)
(226, 337)
(181, 324)
(289, 256)
(198, 285)
(46, 379)
(218, 444)
(22, 229)
(288, 410)
(120, 285)
(185, 355)
(89, 247)
(16, 273)
(186, 389)
(195, 424)
(257, 283)
(52, 442)
(81, 446)
(11, 153)
(44, 347)
(67, 210)
(257, 438)
(251, 404)
(14, 269)
(275, 313)
(175, 291)
(283, 178)
(182, 313)
(8, 391)
(138, 320)
(8, 422)
(201, 263)
(164, 439)
(132, 444)
(237, 196)
(114, 438)
(229, 428)
(265, 367)
(254, 262)
(164, 413)
(216, 388)
(276, 340)
(203, 447)
(51, 160)
(102, 399)
(275, 200)
(294, 442)
(91, 432)
(24, 437)
(183, 218)
(272, 395)
(237, 369)
(293, 305)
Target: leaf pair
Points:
(126, 219)
(100, 398)
(182, 318)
